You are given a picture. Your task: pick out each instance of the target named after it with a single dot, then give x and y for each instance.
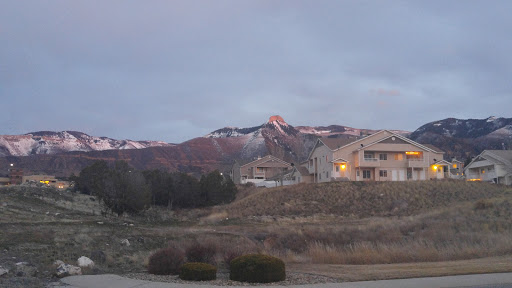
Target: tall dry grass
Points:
(469, 230)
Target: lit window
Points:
(399, 157)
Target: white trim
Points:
(403, 139)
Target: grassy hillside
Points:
(362, 199)
(333, 223)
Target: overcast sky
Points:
(175, 70)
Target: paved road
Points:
(498, 280)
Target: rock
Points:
(100, 223)
(3, 271)
(85, 262)
(125, 242)
(67, 270)
(57, 263)
(25, 269)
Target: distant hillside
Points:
(48, 142)
(464, 138)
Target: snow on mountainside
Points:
(466, 138)
(48, 142)
(465, 128)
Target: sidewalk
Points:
(115, 281)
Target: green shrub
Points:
(198, 272)
(166, 261)
(257, 268)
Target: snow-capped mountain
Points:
(47, 142)
(465, 128)
(463, 138)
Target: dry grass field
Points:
(346, 230)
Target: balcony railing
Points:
(417, 163)
(370, 162)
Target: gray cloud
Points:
(174, 70)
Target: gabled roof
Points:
(266, 159)
(504, 156)
(338, 160)
(332, 143)
(335, 143)
(442, 162)
(424, 147)
(436, 149)
(303, 171)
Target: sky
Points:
(175, 70)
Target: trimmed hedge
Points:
(166, 261)
(198, 272)
(257, 268)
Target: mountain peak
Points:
(276, 118)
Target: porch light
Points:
(343, 166)
(435, 167)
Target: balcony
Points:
(369, 162)
(416, 163)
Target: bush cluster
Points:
(257, 268)
(167, 261)
(194, 271)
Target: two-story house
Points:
(382, 156)
(258, 170)
(491, 166)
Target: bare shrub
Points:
(201, 252)
(166, 261)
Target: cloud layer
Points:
(174, 70)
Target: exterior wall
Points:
(319, 165)
(235, 173)
(490, 172)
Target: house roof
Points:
(434, 148)
(442, 163)
(504, 154)
(338, 160)
(495, 157)
(303, 170)
(267, 158)
(424, 147)
(335, 143)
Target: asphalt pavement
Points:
(497, 280)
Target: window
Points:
(414, 155)
(260, 170)
(337, 168)
(357, 173)
(399, 157)
(368, 155)
(383, 156)
(327, 174)
(320, 176)
(383, 173)
(454, 166)
(367, 174)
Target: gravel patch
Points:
(223, 279)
